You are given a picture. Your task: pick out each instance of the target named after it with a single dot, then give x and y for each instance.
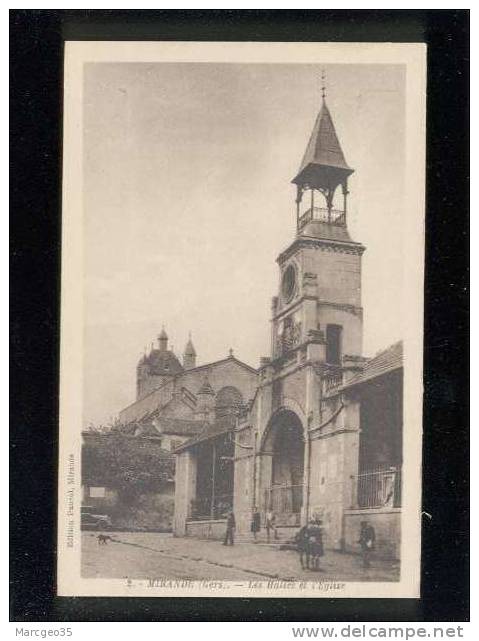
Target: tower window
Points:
(333, 344)
(288, 283)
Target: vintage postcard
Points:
(242, 309)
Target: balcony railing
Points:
(323, 215)
(376, 489)
(332, 380)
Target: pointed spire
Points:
(323, 148)
(190, 348)
(323, 165)
(189, 355)
(163, 334)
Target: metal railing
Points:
(332, 380)
(283, 499)
(209, 508)
(377, 488)
(323, 215)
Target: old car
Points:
(91, 521)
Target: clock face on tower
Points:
(288, 283)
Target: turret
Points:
(189, 355)
(163, 340)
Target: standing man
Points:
(367, 539)
(271, 525)
(315, 543)
(255, 522)
(230, 528)
(301, 540)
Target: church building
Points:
(317, 430)
(176, 401)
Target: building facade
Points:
(178, 401)
(321, 433)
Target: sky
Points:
(188, 201)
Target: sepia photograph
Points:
(242, 308)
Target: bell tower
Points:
(319, 299)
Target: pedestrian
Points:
(271, 525)
(302, 547)
(367, 540)
(315, 543)
(230, 529)
(255, 522)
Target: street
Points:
(144, 555)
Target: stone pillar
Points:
(350, 451)
(264, 473)
(185, 489)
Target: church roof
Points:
(163, 363)
(220, 362)
(323, 147)
(180, 426)
(388, 360)
(221, 426)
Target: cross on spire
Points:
(323, 84)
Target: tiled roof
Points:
(219, 362)
(180, 426)
(148, 429)
(386, 361)
(323, 146)
(163, 363)
(220, 426)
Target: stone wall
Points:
(151, 511)
(206, 529)
(243, 480)
(185, 490)
(224, 373)
(387, 525)
(339, 273)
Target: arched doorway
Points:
(282, 468)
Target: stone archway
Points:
(282, 467)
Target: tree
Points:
(132, 466)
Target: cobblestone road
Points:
(149, 555)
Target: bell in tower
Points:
(322, 180)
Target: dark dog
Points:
(103, 538)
